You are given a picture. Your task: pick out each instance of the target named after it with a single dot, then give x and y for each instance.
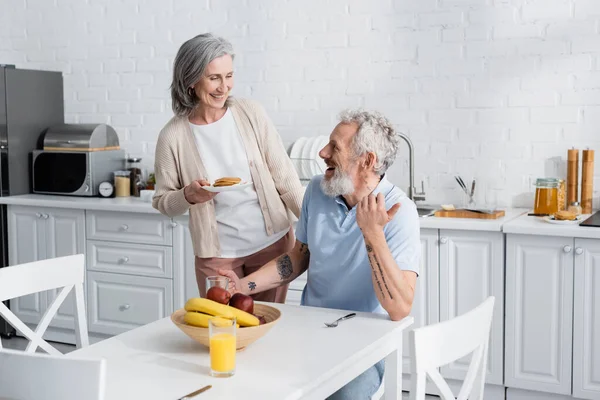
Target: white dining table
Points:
(299, 358)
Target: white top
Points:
(297, 359)
(529, 225)
(240, 223)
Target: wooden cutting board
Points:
(468, 214)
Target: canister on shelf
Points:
(122, 184)
(546, 196)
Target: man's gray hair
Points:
(190, 62)
(375, 134)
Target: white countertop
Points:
(135, 204)
(471, 224)
(527, 225)
(125, 204)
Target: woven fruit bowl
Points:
(244, 336)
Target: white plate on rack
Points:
(552, 220)
(237, 186)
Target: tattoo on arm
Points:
(252, 285)
(304, 249)
(284, 267)
(375, 263)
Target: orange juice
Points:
(222, 352)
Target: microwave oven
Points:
(74, 173)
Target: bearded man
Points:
(358, 235)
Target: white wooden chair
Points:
(20, 280)
(439, 344)
(41, 376)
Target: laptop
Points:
(593, 220)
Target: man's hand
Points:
(194, 193)
(371, 215)
(234, 282)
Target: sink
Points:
(425, 211)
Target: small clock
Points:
(106, 189)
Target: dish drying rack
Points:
(307, 168)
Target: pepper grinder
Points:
(587, 181)
(572, 175)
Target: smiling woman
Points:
(213, 135)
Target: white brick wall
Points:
(495, 89)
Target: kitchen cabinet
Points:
(471, 270)
(586, 320)
(539, 309)
(118, 303)
(38, 234)
(425, 308)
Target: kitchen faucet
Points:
(412, 191)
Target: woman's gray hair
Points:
(375, 134)
(190, 62)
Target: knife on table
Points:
(194, 394)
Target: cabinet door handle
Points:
(125, 260)
(124, 227)
(578, 250)
(567, 249)
(443, 240)
(39, 215)
(45, 216)
(124, 307)
(173, 224)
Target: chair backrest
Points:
(41, 376)
(439, 344)
(63, 272)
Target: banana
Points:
(201, 320)
(221, 310)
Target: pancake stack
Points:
(227, 181)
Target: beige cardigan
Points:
(177, 163)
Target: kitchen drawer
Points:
(293, 297)
(129, 227)
(118, 303)
(129, 258)
(299, 282)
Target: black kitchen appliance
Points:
(592, 221)
(30, 102)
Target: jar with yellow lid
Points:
(546, 196)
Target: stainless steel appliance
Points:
(76, 159)
(30, 102)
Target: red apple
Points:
(242, 302)
(218, 294)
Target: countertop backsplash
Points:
(493, 90)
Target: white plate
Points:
(218, 189)
(552, 220)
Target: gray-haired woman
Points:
(213, 135)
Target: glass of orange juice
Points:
(222, 346)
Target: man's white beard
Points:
(338, 185)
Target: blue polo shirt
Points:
(339, 272)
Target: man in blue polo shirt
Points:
(358, 235)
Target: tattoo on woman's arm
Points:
(284, 267)
(252, 285)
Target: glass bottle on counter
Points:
(135, 176)
(575, 208)
(546, 196)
